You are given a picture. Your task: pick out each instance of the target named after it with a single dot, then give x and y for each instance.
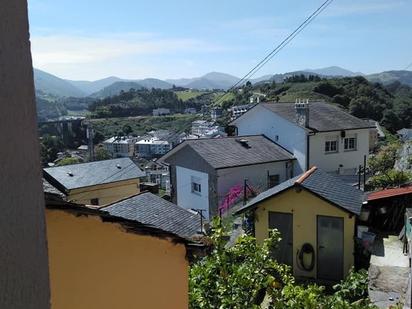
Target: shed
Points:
(315, 213)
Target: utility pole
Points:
(200, 212)
(244, 191)
(90, 136)
(364, 172)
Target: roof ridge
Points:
(305, 175)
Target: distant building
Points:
(200, 127)
(190, 110)
(158, 172)
(405, 134)
(216, 113)
(98, 182)
(204, 172)
(152, 147)
(239, 110)
(257, 98)
(120, 146)
(161, 112)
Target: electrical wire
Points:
(278, 48)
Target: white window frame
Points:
(329, 142)
(196, 186)
(346, 143)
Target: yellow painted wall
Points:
(106, 193)
(97, 265)
(305, 208)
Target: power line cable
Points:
(278, 48)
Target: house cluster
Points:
(152, 145)
(290, 166)
(205, 129)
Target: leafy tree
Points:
(382, 167)
(127, 129)
(49, 147)
(101, 153)
(68, 161)
(243, 275)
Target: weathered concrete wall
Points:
(23, 252)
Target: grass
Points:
(188, 94)
(140, 125)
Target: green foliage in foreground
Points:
(245, 276)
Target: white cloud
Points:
(56, 49)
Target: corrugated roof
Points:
(152, 210)
(322, 184)
(93, 173)
(237, 151)
(322, 116)
(389, 193)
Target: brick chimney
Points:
(302, 112)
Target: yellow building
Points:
(98, 182)
(315, 214)
(104, 259)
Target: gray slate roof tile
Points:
(150, 209)
(228, 152)
(93, 173)
(322, 116)
(327, 186)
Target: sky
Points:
(93, 39)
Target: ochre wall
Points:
(106, 193)
(305, 208)
(97, 265)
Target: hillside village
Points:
(289, 190)
(335, 186)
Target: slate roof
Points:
(152, 210)
(92, 173)
(229, 151)
(320, 183)
(323, 116)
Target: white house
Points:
(316, 133)
(161, 111)
(204, 172)
(120, 146)
(152, 147)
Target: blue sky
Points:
(92, 39)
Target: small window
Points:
(196, 187)
(349, 143)
(94, 201)
(331, 146)
(273, 181)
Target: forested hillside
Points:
(135, 103)
(391, 104)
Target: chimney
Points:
(302, 112)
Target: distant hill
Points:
(54, 85)
(333, 71)
(213, 80)
(115, 89)
(89, 87)
(389, 77)
(154, 83)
